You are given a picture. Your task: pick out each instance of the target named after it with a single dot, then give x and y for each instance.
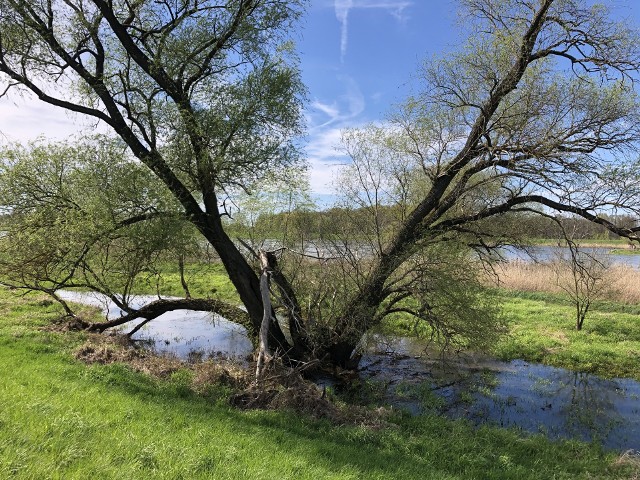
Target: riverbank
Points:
(621, 243)
(541, 329)
(63, 418)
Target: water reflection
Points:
(557, 402)
(187, 334)
(546, 253)
(535, 398)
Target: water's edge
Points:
(403, 373)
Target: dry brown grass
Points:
(621, 283)
(630, 459)
(105, 349)
(282, 388)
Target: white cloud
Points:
(346, 107)
(23, 119)
(395, 8)
(324, 159)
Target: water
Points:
(546, 253)
(186, 334)
(401, 372)
(532, 397)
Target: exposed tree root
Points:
(283, 388)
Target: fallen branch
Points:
(159, 307)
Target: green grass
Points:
(60, 418)
(203, 279)
(542, 329)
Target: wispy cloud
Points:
(395, 8)
(326, 122)
(342, 8)
(344, 108)
(330, 110)
(27, 118)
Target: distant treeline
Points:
(335, 222)
(536, 226)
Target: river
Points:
(187, 334)
(545, 253)
(535, 398)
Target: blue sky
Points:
(358, 59)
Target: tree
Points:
(587, 275)
(83, 216)
(536, 112)
(205, 94)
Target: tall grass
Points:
(622, 282)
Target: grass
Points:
(542, 329)
(60, 418)
(596, 242)
(542, 320)
(625, 251)
(204, 279)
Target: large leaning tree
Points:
(536, 112)
(205, 94)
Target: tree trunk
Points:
(159, 307)
(264, 355)
(363, 307)
(245, 281)
(183, 281)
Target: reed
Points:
(621, 283)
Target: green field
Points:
(595, 242)
(542, 329)
(60, 418)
